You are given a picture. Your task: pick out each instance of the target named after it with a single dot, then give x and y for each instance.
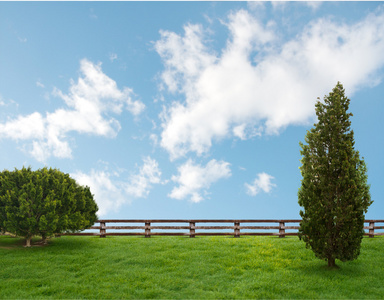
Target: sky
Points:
(186, 109)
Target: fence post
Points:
(102, 230)
(282, 230)
(147, 230)
(191, 229)
(371, 229)
(237, 229)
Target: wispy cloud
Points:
(108, 191)
(89, 102)
(92, 14)
(111, 192)
(112, 56)
(7, 102)
(262, 183)
(140, 184)
(194, 179)
(39, 84)
(22, 39)
(259, 83)
(314, 5)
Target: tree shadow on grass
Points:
(14, 242)
(10, 242)
(318, 269)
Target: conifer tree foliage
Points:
(43, 203)
(334, 192)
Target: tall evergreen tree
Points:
(334, 192)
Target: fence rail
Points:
(189, 228)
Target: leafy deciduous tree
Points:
(43, 202)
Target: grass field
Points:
(179, 267)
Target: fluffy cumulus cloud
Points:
(89, 103)
(111, 192)
(259, 84)
(262, 183)
(194, 179)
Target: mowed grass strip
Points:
(178, 268)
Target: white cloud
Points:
(112, 56)
(184, 57)
(313, 4)
(141, 183)
(39, 84)
(154, 139)
(7, 102)
(89, 102)
(239, 131)
(29, 127)
(261, 183)
(258, 81)
(256, 6)
(279, 5)
(195, 179)
(111, 192)
(92, 14)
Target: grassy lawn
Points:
(179, 267)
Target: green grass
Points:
(179, 267)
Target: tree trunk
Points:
(331, 262)
(28, 242)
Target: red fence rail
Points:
(192, 228)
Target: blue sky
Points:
(186, 109)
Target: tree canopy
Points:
(43, 203)
(334, 192)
